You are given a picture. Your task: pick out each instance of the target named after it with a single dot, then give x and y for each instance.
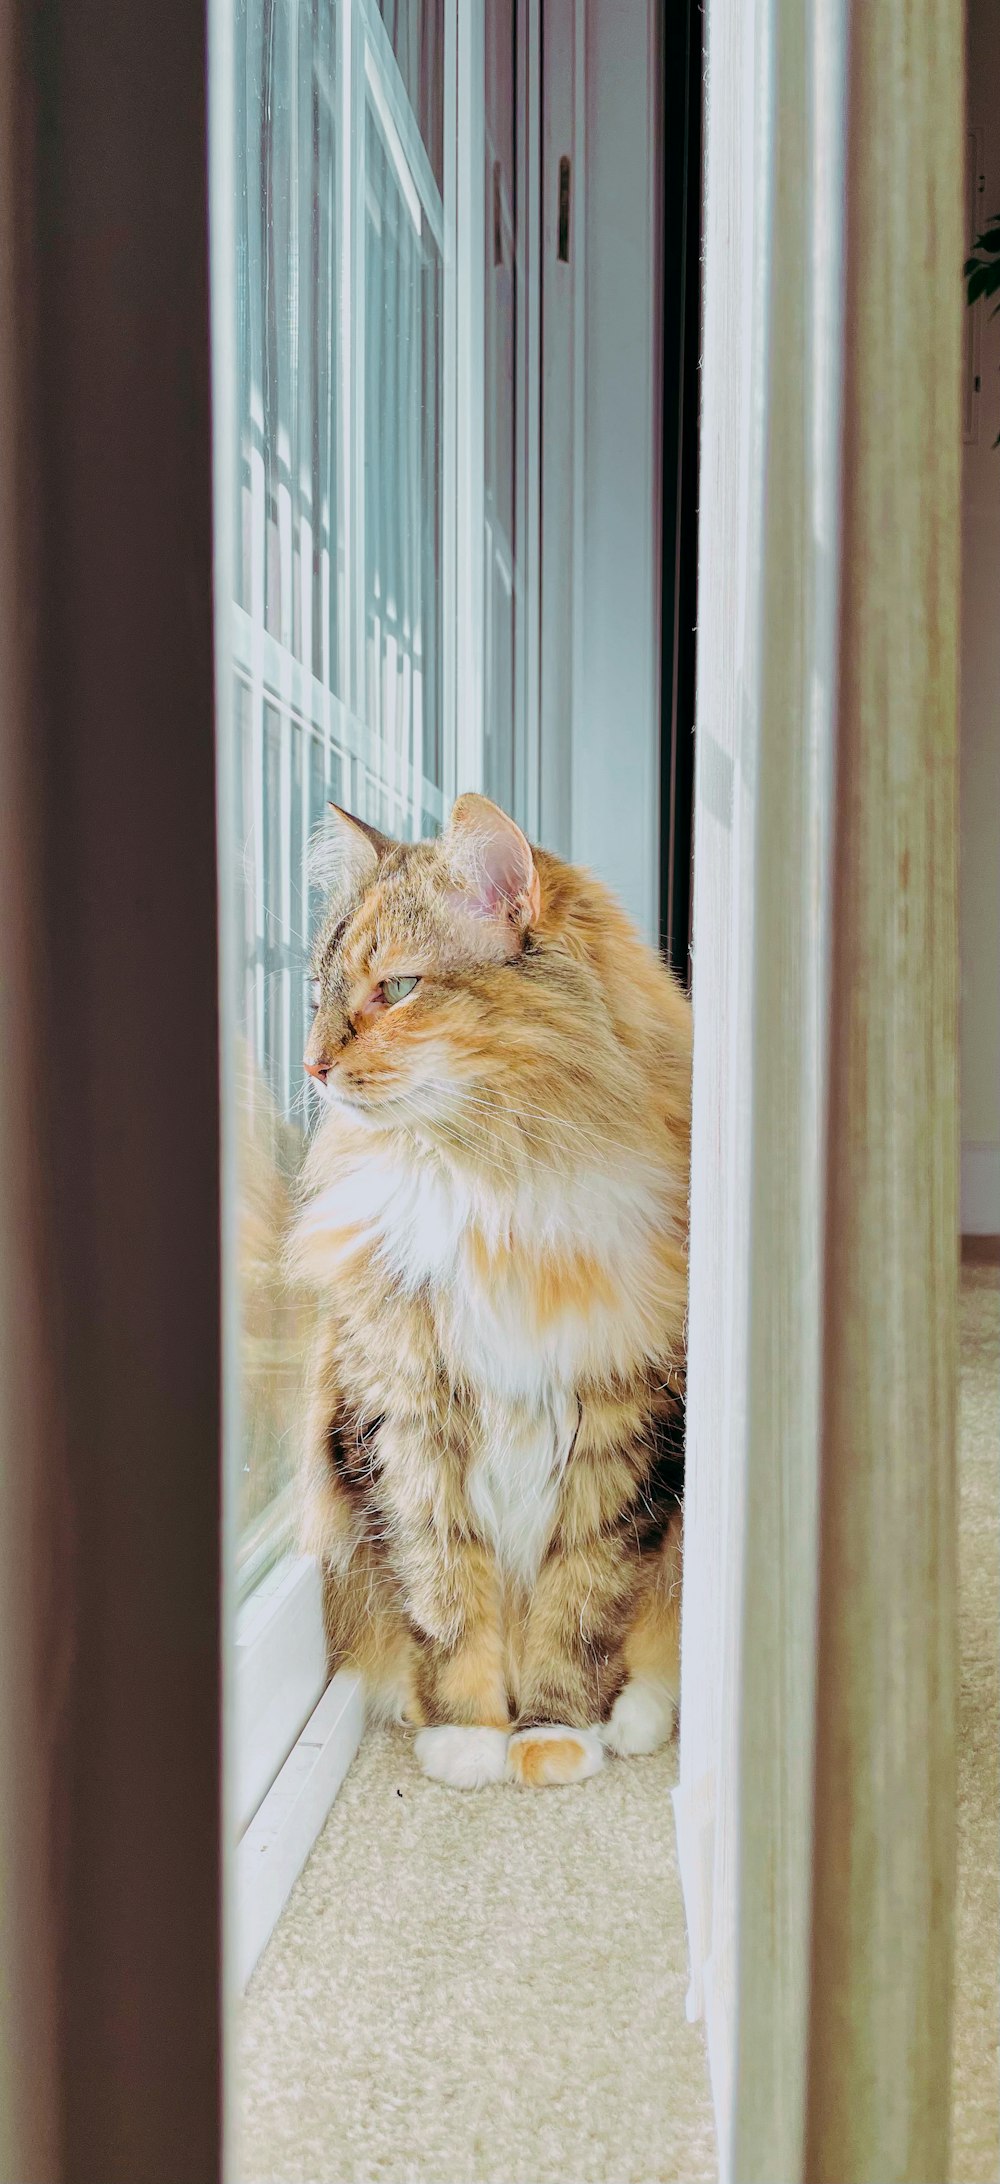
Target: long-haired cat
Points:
(495, 1211)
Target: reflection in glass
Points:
(336, 628)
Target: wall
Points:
(616, 712)
(600, 449)
(980, 714)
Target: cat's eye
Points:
(396, 989)
(315, 993)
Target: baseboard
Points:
(278, 1841)
(981, 1251)
(980, 1190)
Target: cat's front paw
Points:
(551, 1754)
(642, 1718)
(466, 1759)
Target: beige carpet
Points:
(490, 1989)
(975, 2083)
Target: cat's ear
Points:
(492, 862)
(344, 852)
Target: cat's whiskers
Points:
(593, 1188)
(527, 1164)
(501, 1107)
(448, 1127)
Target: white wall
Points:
(600, 633)
(980, 836)
(616, 712)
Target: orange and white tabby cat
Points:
(495, 1211)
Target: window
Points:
(337, 621)
(381, 514)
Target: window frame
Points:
(111, 1307)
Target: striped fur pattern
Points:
(494, 1213)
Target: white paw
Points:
(642, 1718)
(552, 1753)
(464, 1758)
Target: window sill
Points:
(279, 1839)
(280, 1673)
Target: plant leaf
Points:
(984, 280)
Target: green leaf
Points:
(984, 280)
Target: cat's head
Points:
(416, 966)
(489, 998)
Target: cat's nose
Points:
(320, 1070)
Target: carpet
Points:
(489, 1989)
(976, 2039)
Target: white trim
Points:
(981, 1190)
(278, 1841)
(279, 1671)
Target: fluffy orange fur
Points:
(494, 1213)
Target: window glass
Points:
(402, 442)
(337, 622)
(416, 34)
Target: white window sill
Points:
(294, 1737)
(279, 1675)
(277, 1843)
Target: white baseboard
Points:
(278, 1841)
(981, 1190)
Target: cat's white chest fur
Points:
(419, 1216)
(524, 1374)
(513, 1486)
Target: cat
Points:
(494, 1209)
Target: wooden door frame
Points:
(816, 1810)
(109, 1167)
